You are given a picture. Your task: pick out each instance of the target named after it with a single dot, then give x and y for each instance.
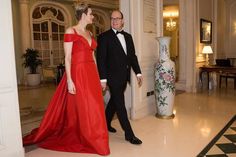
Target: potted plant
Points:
(32, 61)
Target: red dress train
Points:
(75, 123)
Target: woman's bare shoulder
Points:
(70, 30)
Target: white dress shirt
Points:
(122, 40)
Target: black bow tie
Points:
(121, 32)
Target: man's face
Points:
(116, 20)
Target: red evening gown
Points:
(75, 123)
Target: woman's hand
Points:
(71, 87)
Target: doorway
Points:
(171, 29)
(48, 22)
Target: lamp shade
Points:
(207, 50)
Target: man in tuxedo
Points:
(115, 57)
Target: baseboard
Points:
(180, 85)
(145, 110)
(13, 152)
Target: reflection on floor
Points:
(33, 101)
(199, 117)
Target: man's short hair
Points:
(119, 12)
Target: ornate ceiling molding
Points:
(114, 4)
(24, 1)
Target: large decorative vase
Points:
(164, 81)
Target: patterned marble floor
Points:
(224, 143)
(199, 118)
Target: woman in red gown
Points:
(75, 118)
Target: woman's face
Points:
(89, 16)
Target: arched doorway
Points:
(48, 21)
(48, 26)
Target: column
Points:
(25, 32)
(181, 84)
(25, 25)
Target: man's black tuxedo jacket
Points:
(113, 64)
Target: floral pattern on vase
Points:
(164, 80)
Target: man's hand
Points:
(104, 86)
(140, 80)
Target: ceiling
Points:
(170, 2)
(171, 11)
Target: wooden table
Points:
(217, 69)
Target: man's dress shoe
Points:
(134, 140)
(111, 129)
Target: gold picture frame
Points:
(205, 31)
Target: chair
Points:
(223, 62)
(49, 74)
(227, 76)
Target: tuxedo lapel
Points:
(117, 41)
(127, 43)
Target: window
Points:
(48, 27)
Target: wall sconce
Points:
(170, 25)
(170, 14)
(207, 50)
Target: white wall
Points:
(221, 26)
(230, 49)
(147, 52)
(10, 131)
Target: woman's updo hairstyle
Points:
(80, 8)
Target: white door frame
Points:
(10, 130)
